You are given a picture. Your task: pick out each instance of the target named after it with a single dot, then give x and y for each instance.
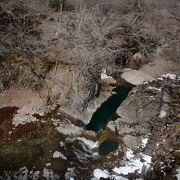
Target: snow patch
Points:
(23, 173)
(24, 115)
(161, 79)
(69, 129)
(62, 144)
(98, 173)
(144, 142)
(90, 144)
(48, 174)
(170, 76)
(119, 178)
(57, 154)
(35, 175)
(154, 88)
(134, 164)
(55, 122)
(162, 114)
(147, 159)
(70, 173)
(178, 173)
(129, 154)
(48, 164)
(104, 75)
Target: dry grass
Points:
(91, 35)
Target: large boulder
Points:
(136, 77)
(81, 98)
(140, 110)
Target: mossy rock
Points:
(35, 152)
(178, 125)
(31, 152)
(104, 135)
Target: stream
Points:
(107, 111)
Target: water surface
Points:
(108, 109)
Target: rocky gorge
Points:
(89, 91)
(144, 126)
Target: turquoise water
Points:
(108, 109)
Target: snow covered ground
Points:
(133, 164)
(178, 173)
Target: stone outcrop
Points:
(139, 111)
(136, 77)
(75, 94)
